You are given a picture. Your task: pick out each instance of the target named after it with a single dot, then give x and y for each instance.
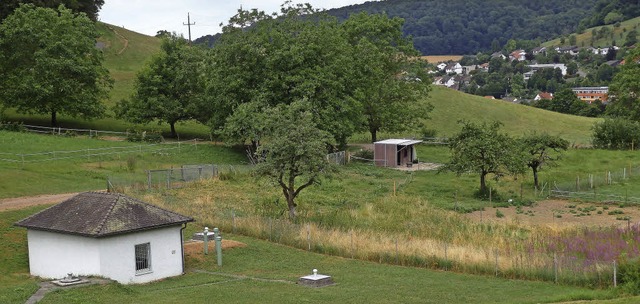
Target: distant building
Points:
(395, 152)
(591, 94)
(536, 67)
(543, 95)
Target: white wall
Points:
(53, 255)
(118, 255)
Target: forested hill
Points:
(468, 26)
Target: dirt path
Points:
(125, 41)
(28, 201)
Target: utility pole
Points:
(189, 24)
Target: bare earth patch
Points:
(559, 213)
(195, 249)
(28, 201)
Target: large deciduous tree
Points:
(89, 7)
(279, 60)
(625, 89)
(482, 149)
(391, 81)
(50, 65)
(169, 87)
(294, 153)
(542, 150)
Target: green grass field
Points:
(265, 272)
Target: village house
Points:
(536, 67)
(543, 95)
(539, 50)
(106, 234)
(591, 94)
(453, 68)
(519, 55)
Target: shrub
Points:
(364, 153)
(629, 276)
(616, 134)
(144, 136)
(499, 213)
(12, 126)
(131, 163)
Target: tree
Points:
(542, 150)
(89, 7)
(294, 160)
(625, 89)
(279, 60)
(390, 81)
(482, 149)
(169, 87)
(50, 64)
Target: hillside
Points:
(466, 27)
(609, 36)
(125, 53)
(452, 106)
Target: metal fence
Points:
(591, 187)
(338, 158)
(172, 178)
(62, 131)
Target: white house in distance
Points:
(106, 234)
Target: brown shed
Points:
(394, 152)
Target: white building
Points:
(106, 234)
(536, 67)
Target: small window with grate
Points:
(143, 258)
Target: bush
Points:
(616, 134)
(144, 136)
(364, 153)
(12, 126)
(629, 276)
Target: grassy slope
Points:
(584, 39)
(451, 106)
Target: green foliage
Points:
(169, 88)
(144, 136)
(629, 276)
(88, 7)
(542, 150)
(451, 27)
(482, 149)
(12, 126)
(616, 133)
(364, 153)
(294, 151)
(625, 89)
(281, 60)
(390, 82)
(50, 64)
(499, 214)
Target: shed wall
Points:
(53, 255)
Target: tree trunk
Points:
(291, 204)
(173, 129)
(54, 120)
(483, 183)
(374, 135)
(535, 176)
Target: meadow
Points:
(266, 272)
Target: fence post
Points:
(555, 267)
(88, 155)
(446, 257)
(396, 251)
(309, 236)
(233, 220)
(490, 198)
(495, 251)
(615, 274)
(351, 243)
(148, 179)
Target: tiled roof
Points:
(99, 214)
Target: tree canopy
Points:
(390, 79)
(50, 64)
(89, 7)
(625, 88)
(169, 87)
(542, 150)
(294, 160)
(482, 149)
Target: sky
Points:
(148, 17)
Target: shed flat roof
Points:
(401, 142)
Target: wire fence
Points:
(172, 178)
(591, 187)
(92, 153)
(62, 131)
(412, 251)
(338, 158)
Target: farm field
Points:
(584, 39)
(266, 272)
